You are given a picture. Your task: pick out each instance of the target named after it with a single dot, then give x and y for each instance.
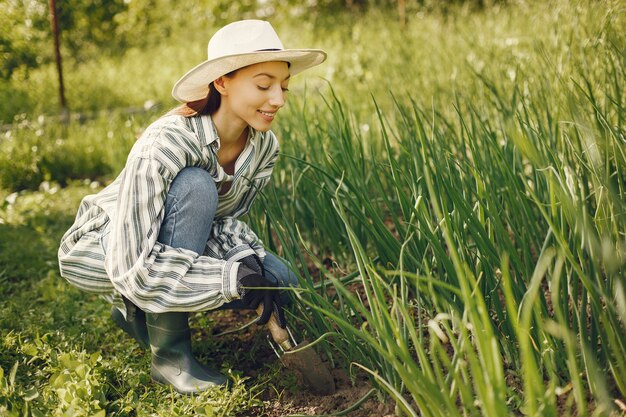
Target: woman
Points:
(164, 239)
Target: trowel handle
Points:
(280, 335)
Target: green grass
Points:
(495, 223)
(454, 205)
(90, 148)
(61, 353)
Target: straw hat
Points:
(235, 46)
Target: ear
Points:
(220, 85)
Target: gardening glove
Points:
(254, 263)
(247, 282)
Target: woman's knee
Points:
(189, 210)
(196, 187)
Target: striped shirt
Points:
(156, 277)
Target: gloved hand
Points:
(247, 282)
(253, 262)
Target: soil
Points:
(345, 396)
(292, 398)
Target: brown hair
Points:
(207, 105)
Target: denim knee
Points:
(276, 270)
(190, 208)
(196, 187)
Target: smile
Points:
(268, 114)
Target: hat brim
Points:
(194, 85)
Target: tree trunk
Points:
(54, 23)
(402, 12)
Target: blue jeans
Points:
(189, 212)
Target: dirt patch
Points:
(284, 396)
(346, 395)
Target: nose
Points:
(277, 99)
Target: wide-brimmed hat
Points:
(235, 46)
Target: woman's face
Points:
(254, 94)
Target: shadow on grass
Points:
(34, 299)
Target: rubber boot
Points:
(136, 328)
(172, 360)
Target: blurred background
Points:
(119, 53)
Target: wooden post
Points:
(54, 22)
(402, 12)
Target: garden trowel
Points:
(306, 362)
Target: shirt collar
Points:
(204, 127)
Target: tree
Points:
(24, 29)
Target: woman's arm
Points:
(156, 277)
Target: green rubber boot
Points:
(172, 361)
(136, 328)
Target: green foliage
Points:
(461, 240)
(13, 401)
(26, 35)
(89, 24)
(24, 29)
(99, 43)
(71, 381)
(47, 151)
(487, 234)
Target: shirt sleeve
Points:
(233, 239)
(156, 277)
